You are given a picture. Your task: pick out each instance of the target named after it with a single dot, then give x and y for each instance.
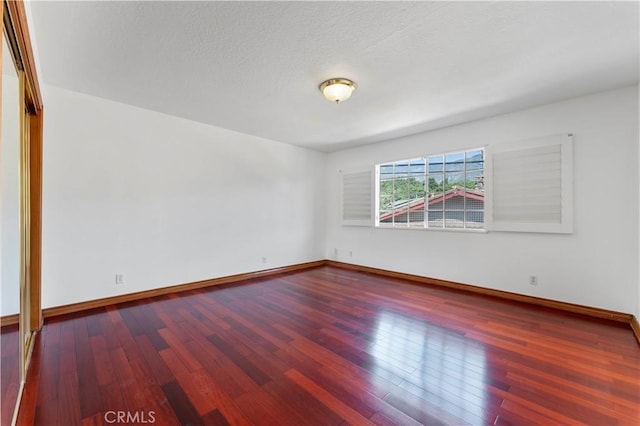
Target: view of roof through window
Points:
(439, 191)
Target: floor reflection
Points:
(445, 370)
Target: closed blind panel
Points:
(357, 198)
(528, 185)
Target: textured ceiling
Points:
(255, 67)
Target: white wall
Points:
(9, 197)
(164, 201)
(597, 265)
(167, 201)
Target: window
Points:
(519, 186)
(532, 187)
(401, 189)
(439, 191)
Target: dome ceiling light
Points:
(337, 89)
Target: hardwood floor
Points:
(9, 372)
(329, 346)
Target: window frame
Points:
(425, 221)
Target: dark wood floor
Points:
(331, 347)
(9, 372)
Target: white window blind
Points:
(357, 198)
(532, 184)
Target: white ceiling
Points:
(255, 67)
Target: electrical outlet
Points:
(119, 279)
(533, 280)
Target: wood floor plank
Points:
(67, 349)
(424, 412)
(225, 404)
(102, 361)
(234, 380)
(231, 384)
(112, 399)
(216, 418)
(161, 372)
(258, 414)
(277, 413)
(590, 392)
(586, 406)
(352, 390)
(542, 411)
(69, 403)
(31, 388)
(513, 414)
(322, 395)
(49, 374)
(149, 396)
(181, 405)
(329, 346)
(199, 389)
(257, 354)
(179, 348)
(45, 413)
(289, 393)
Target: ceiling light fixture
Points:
(337, 89)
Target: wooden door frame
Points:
(19, 42)
(30, 105)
